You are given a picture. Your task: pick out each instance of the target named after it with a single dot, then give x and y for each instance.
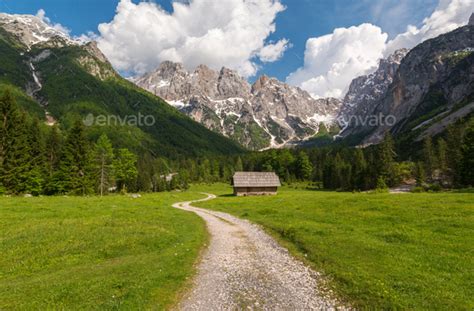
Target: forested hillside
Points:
(70, 82)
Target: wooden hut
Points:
(255, 183)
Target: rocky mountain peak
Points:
(31, 30)
(260, 83)
(268, 113)
(94, 50)
(471, 20)
(365, 91)
(169, 69)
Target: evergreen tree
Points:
(360, 178)
(37, 172)
(304, 168)
(420, 174)
(386, 160)
(442, 155)
(103, 156)
(75, 167)
(14, 149)
(454, 143)
(53, 154)
(125, 167)
(239, 167)
(429, 157)
(467, 160)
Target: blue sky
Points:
(301, 20)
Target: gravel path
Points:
(244, 268)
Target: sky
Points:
(319, 45)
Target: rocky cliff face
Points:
(365, 91)
(432, 87)
(268, 113)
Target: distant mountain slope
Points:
(60, 80)
(430, 88)
(268, 113)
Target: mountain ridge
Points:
(265, 114)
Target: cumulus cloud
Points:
(449, 15)
(229, 33)
(333, 60)
(274, 51)
(41, 14)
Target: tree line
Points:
(38, 160)
(41, 160)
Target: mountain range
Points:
(268, 113)
(409, 91)
(59, 79)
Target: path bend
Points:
(245, 268)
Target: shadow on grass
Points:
(226, 195)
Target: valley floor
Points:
(384, 251)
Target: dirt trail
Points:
(244, 268)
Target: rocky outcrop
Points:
(432, 86)
(268, 113)
(95, 62)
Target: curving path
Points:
(244, 268)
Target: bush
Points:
(381, 186)
(435, 188)
(418, 189)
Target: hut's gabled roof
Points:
(256, 179)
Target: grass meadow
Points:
(96, 253)
(378, 251)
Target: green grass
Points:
(96, 253)
(382, 251)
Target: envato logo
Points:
(130, 120)
(369, 120)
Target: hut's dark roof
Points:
(256, 179)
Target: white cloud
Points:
(274, 51)
(229, 33)
(449, 15)
(41, 14)
(333, 60)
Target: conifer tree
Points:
(304, 168)
(103, 156)
(239, 167)
(359, 175)
(125, 167)
(429, 156)
(36, 175)
(75, 168)
(53, 154)
(454, 142)
(14, 149)
(442, 155)
(386, 160)
(467, 161)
